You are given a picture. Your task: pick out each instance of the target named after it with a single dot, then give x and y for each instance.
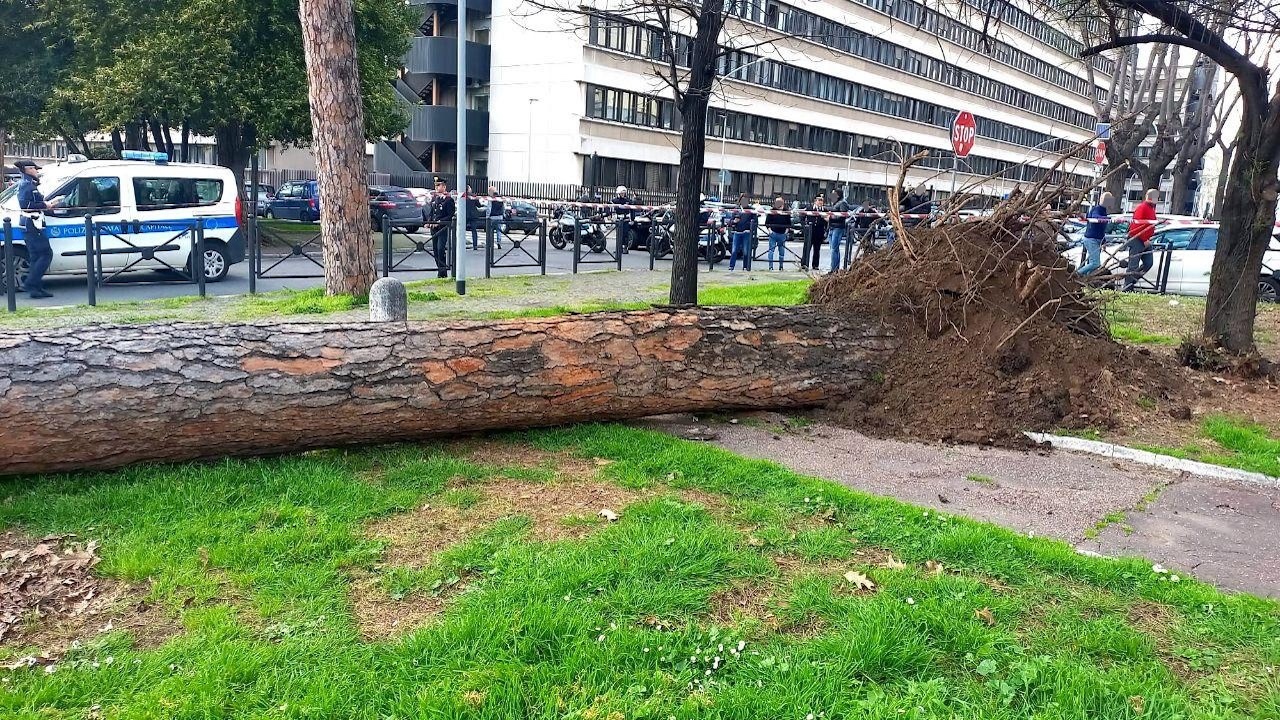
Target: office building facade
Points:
(817, 95)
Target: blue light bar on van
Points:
(156, 157)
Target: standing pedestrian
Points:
(475, 217)
(778, 221)
(39, 253)
(866, 219)
(442, 211)
(1095, 232)
(624, 220)
(743, 227)
(496, 216)
(836, 231)
(1141, 229)
(816, 220)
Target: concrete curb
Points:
(1120, 452)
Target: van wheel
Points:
(216, 266)
(21, 266)
(1268, 290)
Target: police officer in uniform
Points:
(442, 209)
(31, 202)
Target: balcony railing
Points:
(439, 56)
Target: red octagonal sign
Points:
(963, 131)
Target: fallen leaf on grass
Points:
(601, 462)
(986, 616)
(608, 514)
(893, 564)
(934, 567)
(1137, 703)
(859, 581)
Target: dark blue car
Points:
(296, 200)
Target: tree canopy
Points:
(232, 69)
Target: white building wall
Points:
(534, 57)
(537, 57)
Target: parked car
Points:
(266, 193)
(145, 207)
(423, 198)
(296, 200)
(1191, 248)
(394, 204)
(520, 216)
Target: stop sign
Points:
(963, 131)
(1100, 153)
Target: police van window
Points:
(208, 192)
(93, 195)
(175, 193)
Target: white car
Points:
(1190, 249)
(141, 205)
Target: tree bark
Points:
(337, 129)
(102, 397)
(693, 144)
(233, 144)
(1247, 222)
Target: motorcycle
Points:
(568, 223)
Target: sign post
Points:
(1100, 161)
(963, 132)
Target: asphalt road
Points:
(296, 272)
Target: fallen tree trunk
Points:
(103, 397)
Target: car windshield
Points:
(8, 193)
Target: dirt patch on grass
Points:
(50, 598)
(567, 503)
(558, 511)
(1157, 621)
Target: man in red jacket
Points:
(1141, 230)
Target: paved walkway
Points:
(1221, 532)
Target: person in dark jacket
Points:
(1095, 232)
(836, 228)
(475, 217)
(39, 253)
(815, 233)
(862, 224)
(442, 211)
(778, 221)
(497, 216)
(743, 226)
(625, 220)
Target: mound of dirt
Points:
(998, 337)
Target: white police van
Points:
(140, 203)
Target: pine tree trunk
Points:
(693, 144)
(337, 129)
(1248, 219)
(101, 397)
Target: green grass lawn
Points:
(1231, 443)
(728, 602)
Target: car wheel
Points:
(413, 228)
(1268, 289)
(598, 242)
(21, 266)
(216, 266)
